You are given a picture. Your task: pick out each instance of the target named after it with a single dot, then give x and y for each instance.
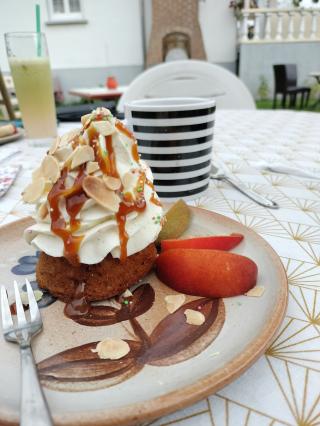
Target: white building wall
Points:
(219, 31)
(111, 37)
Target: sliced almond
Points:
(112, 182)
(63, 153)
(95, 188)
(255, 291)
(105, 128)
(129, 179)
(48, 186)
(37, 173)
(68, 137)
(50, 168)
(54, 146)
(102, 111)
(82, 155)
(43, 211)
(194, 317)
(174, 301)
(33, 192)
(92, 166)
(112, 349)
(85, 118)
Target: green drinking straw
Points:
(38, 26)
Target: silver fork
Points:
(34, 410)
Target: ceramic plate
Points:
(12, 138)
(170, 365)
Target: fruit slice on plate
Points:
(206, 273)
(177, 221)
(217, 242)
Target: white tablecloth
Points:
(283, 386)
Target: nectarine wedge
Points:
(206, 273)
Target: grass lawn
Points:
(267, 104)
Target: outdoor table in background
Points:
(101, 93)
(283, 386)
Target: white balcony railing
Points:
(279, 25)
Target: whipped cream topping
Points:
(93, 195)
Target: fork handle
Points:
(34, 408)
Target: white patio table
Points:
(283, 386)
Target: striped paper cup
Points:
(175, 138)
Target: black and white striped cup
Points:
(175, 138)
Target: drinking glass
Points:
(30, 67)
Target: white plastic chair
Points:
(190, 78)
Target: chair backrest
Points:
(291, 73)
(285, 75)
(190, 78)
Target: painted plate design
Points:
(171, 364)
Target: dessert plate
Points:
(170, 365)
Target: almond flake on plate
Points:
(255, 291)
(194, 317)
(174, 301)
(112, 349)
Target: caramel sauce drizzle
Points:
(134, 149)
(155, 200)
(75, 198)
(127, 206)
(107, 163)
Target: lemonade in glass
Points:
(30, 68)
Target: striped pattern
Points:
(177, 145)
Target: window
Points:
(65, 11)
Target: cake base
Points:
(103, 280)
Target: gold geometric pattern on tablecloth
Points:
(280, 181)
(311, 185)
(308, 206)
(302, 273)
(307, 305)
(297, 342)
(263, 226)
(301, 391)
(248, 208)
(303, 233)
(312, 252)
(226, 412)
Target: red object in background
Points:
(111, 83)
